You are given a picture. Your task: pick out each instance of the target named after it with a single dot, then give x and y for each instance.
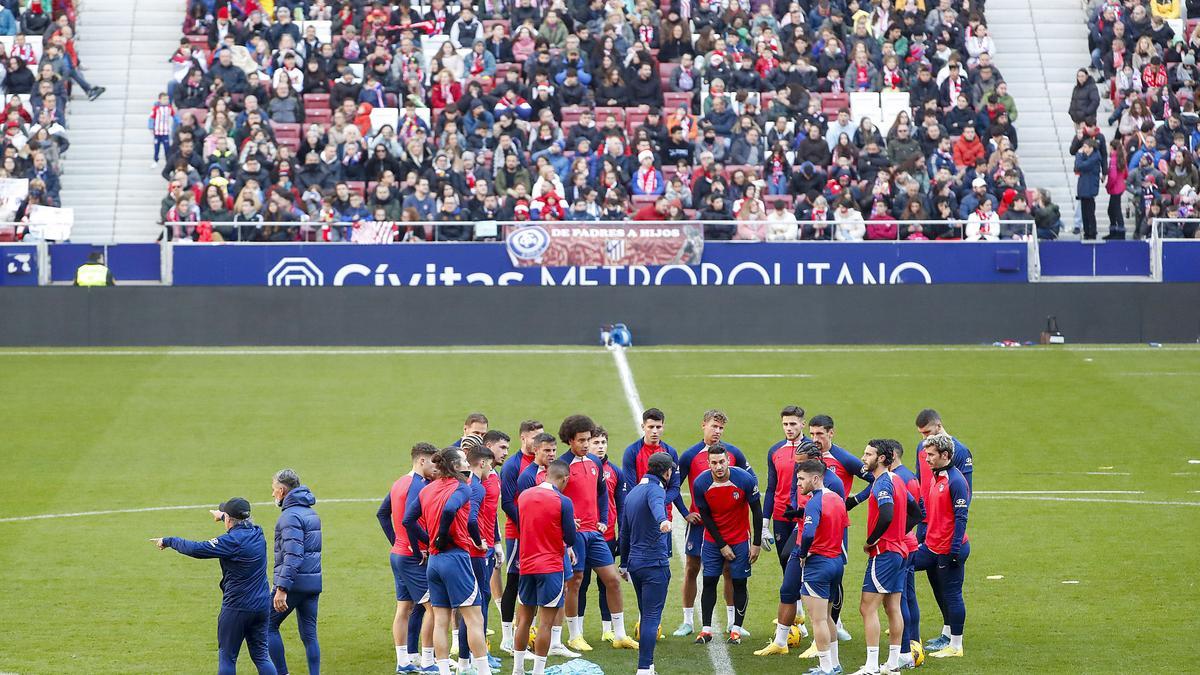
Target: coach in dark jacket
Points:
(1088, 168)
(246, 600)
(297, 568)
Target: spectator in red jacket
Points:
(968, 148)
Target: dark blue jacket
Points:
(1088, 168)
(243, 555)
(298, 543)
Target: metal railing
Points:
(386, 232)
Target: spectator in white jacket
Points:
(983, 224)
(848, 222)
(781, 223)
(979, 42)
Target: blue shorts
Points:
(695, 540)
(793, 576)
(415, 577)
(483, 578)
(451, 580)
(714, 563)
(541, 590)
(510, 551)
(821, 577)
(591, 551)
(884, 574)
(402, 594)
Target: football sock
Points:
(826, 661)
(893, 660)
(618, 626)
(956, 641)
(556, 636)
(539, 665)
(872, 658)
(402, 656)
(689, 615)
(518, 663)
(481, 666)
(781, 634)
(443, 666)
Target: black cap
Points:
(236, 507)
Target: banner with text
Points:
(488, 264)
(569, 245)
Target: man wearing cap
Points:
(246, 602)
(979, 192)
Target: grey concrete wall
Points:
(901, 314)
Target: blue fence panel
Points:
(128, 262)
(1110, 258)
(488, 264)
(1181, 261)
(18, 265)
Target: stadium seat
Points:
(287, 134)
(316, 101)
(641, 200)
(635, 117)
(831, 103)
(570, 115)
(8, 233)
(320, 116)
(674, 99)
(665, 71)
(357, 186)
(604, 111)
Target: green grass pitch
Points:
(92, 431)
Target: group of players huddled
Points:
(571, 516)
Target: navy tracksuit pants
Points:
(651, 585)
(235, 626)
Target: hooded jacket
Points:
(298, 543)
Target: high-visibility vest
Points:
(91, 274)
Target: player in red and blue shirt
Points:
(694, 463)
(726, 497)
(616, 487)
(547, 539)
(815, 564)
(891, 514)
(842, 461)
(945, 548)
(510, 471)
(408, 566)
(909, 608)
(485, 499)
(781, 482)
(588, 492)
(636, 457)
(447, 511)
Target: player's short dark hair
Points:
(558, 469)
(495, 436)
(927, 416)
(446, 460)
(714, 414)
(530, 425)
(811, 466)
(792, 411)
(659, 463)
(423, 450)
(544, 438)
(574, 424)
(809, 449)
(476, 417)
(883, 448)
(599, 431)
(478, 453)
(718, 449)
(654, 414)
(897, 447)
(823, 421)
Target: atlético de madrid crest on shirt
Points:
(737, 496)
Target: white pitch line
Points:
(1093, 500)
(747, 376)
(81, 514)
(550, 350)
(718, 653)
(1058, 492)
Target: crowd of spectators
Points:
(1147, 163)
(37, 41)
(738, 113)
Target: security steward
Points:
(94, 272)
(246, 606)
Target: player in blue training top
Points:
(636, 457)
(645, 552)
(726, 498)
(945, 548)
(509, 472)
(693, 464)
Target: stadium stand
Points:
(1143, 56)
(756, 115)
(42, 67)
